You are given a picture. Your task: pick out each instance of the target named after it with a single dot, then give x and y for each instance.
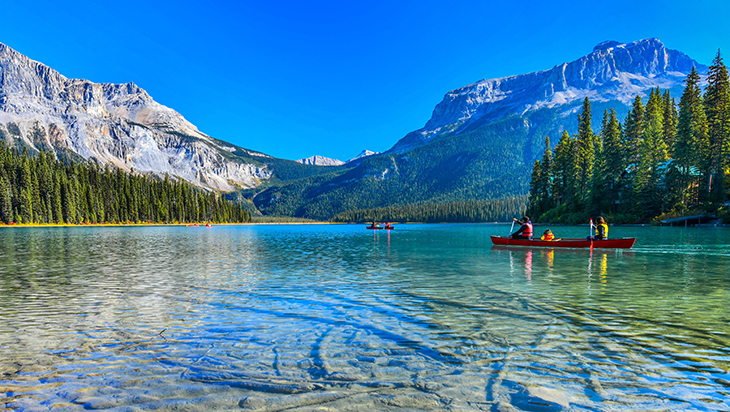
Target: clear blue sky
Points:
(297, 78)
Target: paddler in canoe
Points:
(601, 229)
(525, 230)
(601, 240)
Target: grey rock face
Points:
(117, 124)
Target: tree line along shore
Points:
(39, 189)
(663, 161)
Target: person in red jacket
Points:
(525, 231)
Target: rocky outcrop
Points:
(116, 124)
(320, 161)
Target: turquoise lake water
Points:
(337, 317)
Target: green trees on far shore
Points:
(663, 160)
(40, 189)
(467, 212)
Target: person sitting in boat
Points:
(525, 231)
(547, 235)
(601, 229)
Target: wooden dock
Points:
(690, 220)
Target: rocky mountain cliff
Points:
(612, 72)
(117, 124)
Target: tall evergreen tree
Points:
(653, 158)
(717, 109)
(634, 132)
(669, 120)
(690, 144)
(609, 165)
(6, 200)
(563, 169)
(25, 189)
(585, 145)
(533, 205)
(546, 177)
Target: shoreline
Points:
(6, 225)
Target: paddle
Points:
(510, 230)
(590, 233)
(512, 227)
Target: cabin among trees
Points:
(663, 161)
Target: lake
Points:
(337, 317)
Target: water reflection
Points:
(523, 257)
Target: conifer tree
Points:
(717, 109)
(6, 201)
(69, 201)
(57, 202)
(585, 152)
(634, 132)
(602, 193)
(669, 120)
(546, 177)
(614, 153)
(690, 144)
(653, 158)
(25, 189)
(562, 169)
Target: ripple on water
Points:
(305, 317)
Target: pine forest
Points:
(467, 212)
(665, 160)
(39, 189)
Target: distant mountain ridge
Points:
(320, 161)
(326, 161)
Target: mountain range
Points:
(479, 143)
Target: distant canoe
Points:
(624, 243)
(380, 227)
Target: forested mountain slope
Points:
(482, 139)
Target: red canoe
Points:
(624, 243)
(380, 227)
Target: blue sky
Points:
(297, 78)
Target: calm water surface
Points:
(426, 317)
